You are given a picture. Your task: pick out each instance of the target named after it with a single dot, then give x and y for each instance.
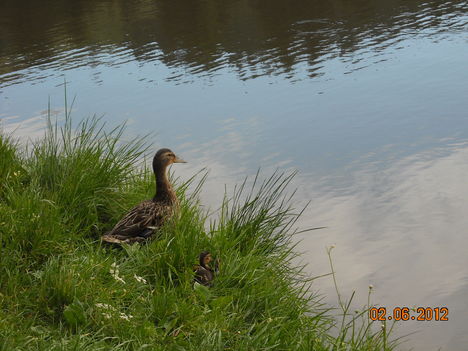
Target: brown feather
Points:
(141, 221)
(204, 276)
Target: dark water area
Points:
(195, 40)
(368, 100)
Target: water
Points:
(368, 100)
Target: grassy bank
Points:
(61, 290)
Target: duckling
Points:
(140, 223)
(204, 274)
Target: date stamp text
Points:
(409, 314)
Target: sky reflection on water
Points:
(400, 226)
(368, 102)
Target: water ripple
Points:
(260, 42)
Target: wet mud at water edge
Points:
(367, 100)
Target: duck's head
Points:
(164, 158)
(205, 259)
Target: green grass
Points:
(61, 290)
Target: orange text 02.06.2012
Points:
(409, 314)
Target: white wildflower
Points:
(107, 315)
(140, 279)
(114, 271)
(126, 317)
(119, 279)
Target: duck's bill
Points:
(179, 160)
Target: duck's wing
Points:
(138, 219)
(203, 276)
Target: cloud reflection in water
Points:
(398, 225)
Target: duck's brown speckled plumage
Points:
(204, 274)
(140, 223)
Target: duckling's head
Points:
(205, 258)
(164, 158)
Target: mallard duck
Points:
(204, 274)
(140, 223)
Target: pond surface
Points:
(367, 99)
